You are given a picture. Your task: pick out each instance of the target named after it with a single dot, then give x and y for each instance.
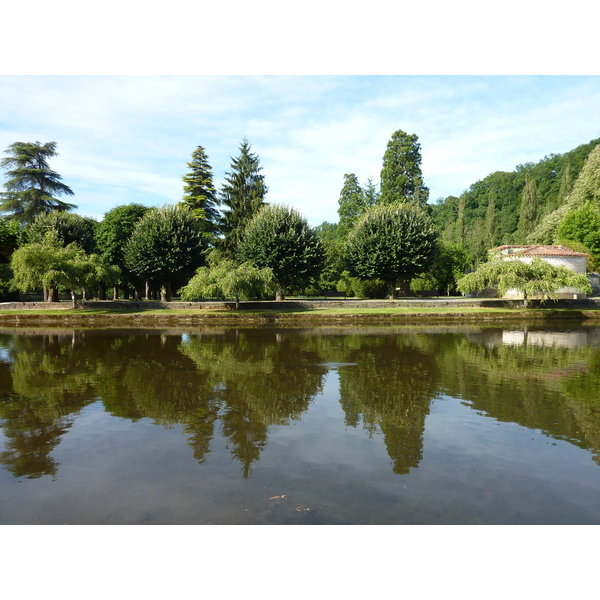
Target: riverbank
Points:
(293, 312)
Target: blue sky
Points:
(129, 91)
(125, 139)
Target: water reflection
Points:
(240, 383)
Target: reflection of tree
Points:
(30, 438)
(390, 387)
(551, 388)
(261, 378)
(49, 385)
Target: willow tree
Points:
(538, 278)
(394, 242)
(32, 187)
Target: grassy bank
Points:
(107, 317)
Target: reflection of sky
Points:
(5, 355)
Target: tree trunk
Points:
(53, 294)
(405, 288)
(74, 298)
(165, 292)
(116, 293)
(46, 295)
(391, 289)
(102, 291)
(280, 295)
(147, 290)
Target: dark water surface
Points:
(415, 425)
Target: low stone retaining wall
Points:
(451, 302)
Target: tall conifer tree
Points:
(242, 194)
(401, 176)
(32, 186)
(351, 204)
(491, 221)
(199, 192)
(529, 209)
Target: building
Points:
(557, 256)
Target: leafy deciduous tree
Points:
(537, 278)
(226, 279)
(278, 237)
(392, 242)
(166, 247)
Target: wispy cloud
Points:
(127, 139)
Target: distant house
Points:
(558, 256)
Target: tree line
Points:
(232, 243)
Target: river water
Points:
(361, 425)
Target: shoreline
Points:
(292, 313)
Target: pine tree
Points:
(32, 185)
(351, 204)
(529, 209)
(401, 177)
(242, 194)
(199, 192)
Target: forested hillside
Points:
(506, 207)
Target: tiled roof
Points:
(538, 250)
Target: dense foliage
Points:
(242, 195)
(166, 247)
(280, 238)
(538, 278)
(393, 242)
(32, 186)
(199, 191)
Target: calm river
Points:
(365, 425)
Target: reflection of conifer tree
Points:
(261, 378)
(390, 388)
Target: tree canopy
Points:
(537, 278)
(280, 238)
(392, 242)
(401, 176)
(32, 187)
(242, 195)
(199, 192)
(166, 247)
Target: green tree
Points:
(69, 226)
(166, 247)
(242, 195)
(460, 223)
(538, 278)
(112, 235)
(566, 184)
(449, 266)
(199, 192)
(49, 264)
(401, 176)
(278, 237)
(529, 208)
(32, 186)
(585, 189)
(226, 279)
(392, 242)
(491, 221)
(351, 204)
(10, 238)
(582, 225)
